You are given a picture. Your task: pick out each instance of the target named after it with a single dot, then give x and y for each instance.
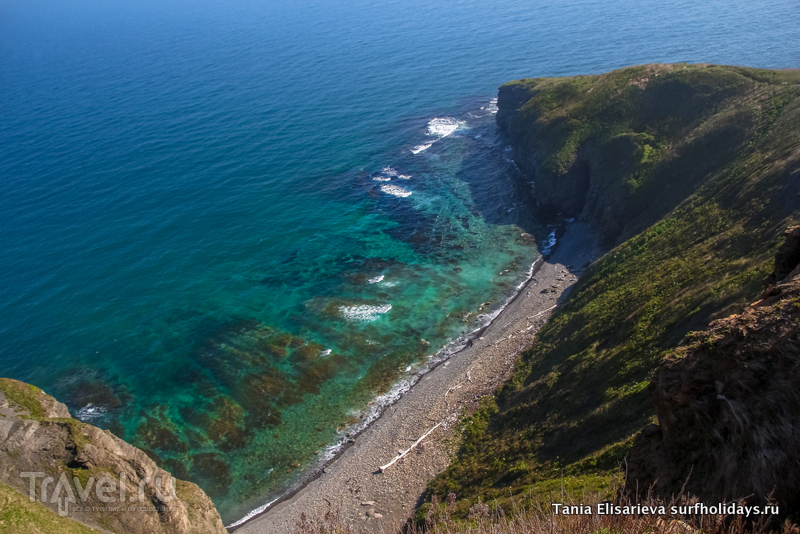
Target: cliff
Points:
(625, 148)
(689, 173)
(728, 405)
(86, 475)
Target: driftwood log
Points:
(411, 448)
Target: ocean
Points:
(230, 232)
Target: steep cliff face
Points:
(90, 475)
(693, 172)
(728, 405)
(624, 148)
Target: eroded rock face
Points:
(728, 406)
(624, 148)
(89, 474)
(787, 259)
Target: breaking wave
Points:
(395, 191)
(364, 313)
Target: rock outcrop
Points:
(728, 405)
(90, 475)
(787, 259)
(622, 149)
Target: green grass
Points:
(700, 172)
(25, 396)
(20, 516)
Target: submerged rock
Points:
(276, 344)
(307, 353)
(90, 392)
(215, 473)
(157, 431)
(296, 342)
(320, 371)
(260, 394)
(227, 424)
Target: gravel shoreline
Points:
(353, 486)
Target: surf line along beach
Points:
(368, 497)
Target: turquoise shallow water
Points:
(208, 242)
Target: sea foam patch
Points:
(438, 127)
(421, 148)
(90, 412)
(395, 191)
(551, 242)
(387, 173)
(442, 127)
(364, 313)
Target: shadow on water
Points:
(501, 193)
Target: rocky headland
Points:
(689, 174)
(86, 476)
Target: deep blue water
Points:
(207, 241)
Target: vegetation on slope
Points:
(694, 171)
(18, 515)
(728, 407)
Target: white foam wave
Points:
(375, 280)
(388, 171)
(551, 242)
(404, 176)
(395, 191)
(325, 352)
(252, 514)
(90, 412)
(442, 127)
(492, 107)
(364, 313)
(382, 178)
(438, 127)
(421, 148)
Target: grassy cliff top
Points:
(627, 147)
(19, 515)
(691, 172)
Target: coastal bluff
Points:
(625, 148)
(728, 405)
(85, 476)
(689, 175)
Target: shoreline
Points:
(397, 394)
(488, 351)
